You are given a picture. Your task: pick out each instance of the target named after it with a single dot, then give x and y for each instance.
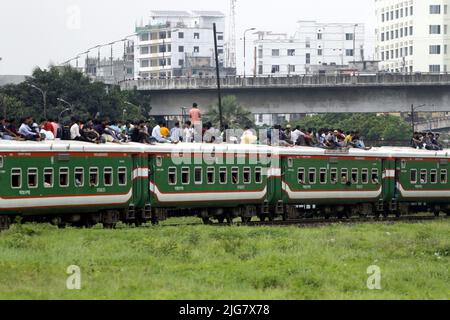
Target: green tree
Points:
(371, 126)
(11, 107)
(87, 98)
(234, 115)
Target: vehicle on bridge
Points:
(68, 182)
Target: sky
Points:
(40, 32)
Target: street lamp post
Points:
(65, 102)
(413, 111)
(245, 49)
(44, 97)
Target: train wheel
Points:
(437, 214)
(221, 219)
(246, 219)
(262, 217)
(206, 220)
(229, 219)
(5, 223)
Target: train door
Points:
(390, 176)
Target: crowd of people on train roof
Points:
(426, 140)
(192, 131)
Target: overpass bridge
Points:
(436, 125)
(375, 93)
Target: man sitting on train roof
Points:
(5, 132)
(26, 130)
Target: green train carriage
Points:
(422, 181)
(212, 181)
(71, 182)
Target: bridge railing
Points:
(379, 79)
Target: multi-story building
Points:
(313, 44)
(172, 42)
(110, 70)
(412, 35)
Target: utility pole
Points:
(219, 94)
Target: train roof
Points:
(76, 146)
(67, 146)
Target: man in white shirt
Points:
(156, 133)
(75, 130)
(188, 132)
(176, 134)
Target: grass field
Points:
(204, 262)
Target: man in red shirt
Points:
(195, 114)
(47, 125)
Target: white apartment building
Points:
(313, 44)
(177, 43)
(412, 35)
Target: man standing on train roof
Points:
(195, 114)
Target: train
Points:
(83, 184)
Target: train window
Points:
(423, 176)
(48, 178)
(223, 175)
(258, 175)
(16, 178)
(172, 176)
(198, 176)
(211, 175)
(79, 177)
(247, 176)
(1, 161)
(344, 176)
(235, 175)
(355, 176)
(323, 176)
(444, 178)
(64, 177)
(122, 176)
(301, 176)
(32, 178)
(333, 175)
(375, 176)
(290, 162)
(159, 161)
(365, 176)
(185, 176)
(108, 177)
(93, 177)
(413, 176)
(433, 176)
(312, 176)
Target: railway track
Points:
(315, 222)
(327, 222)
